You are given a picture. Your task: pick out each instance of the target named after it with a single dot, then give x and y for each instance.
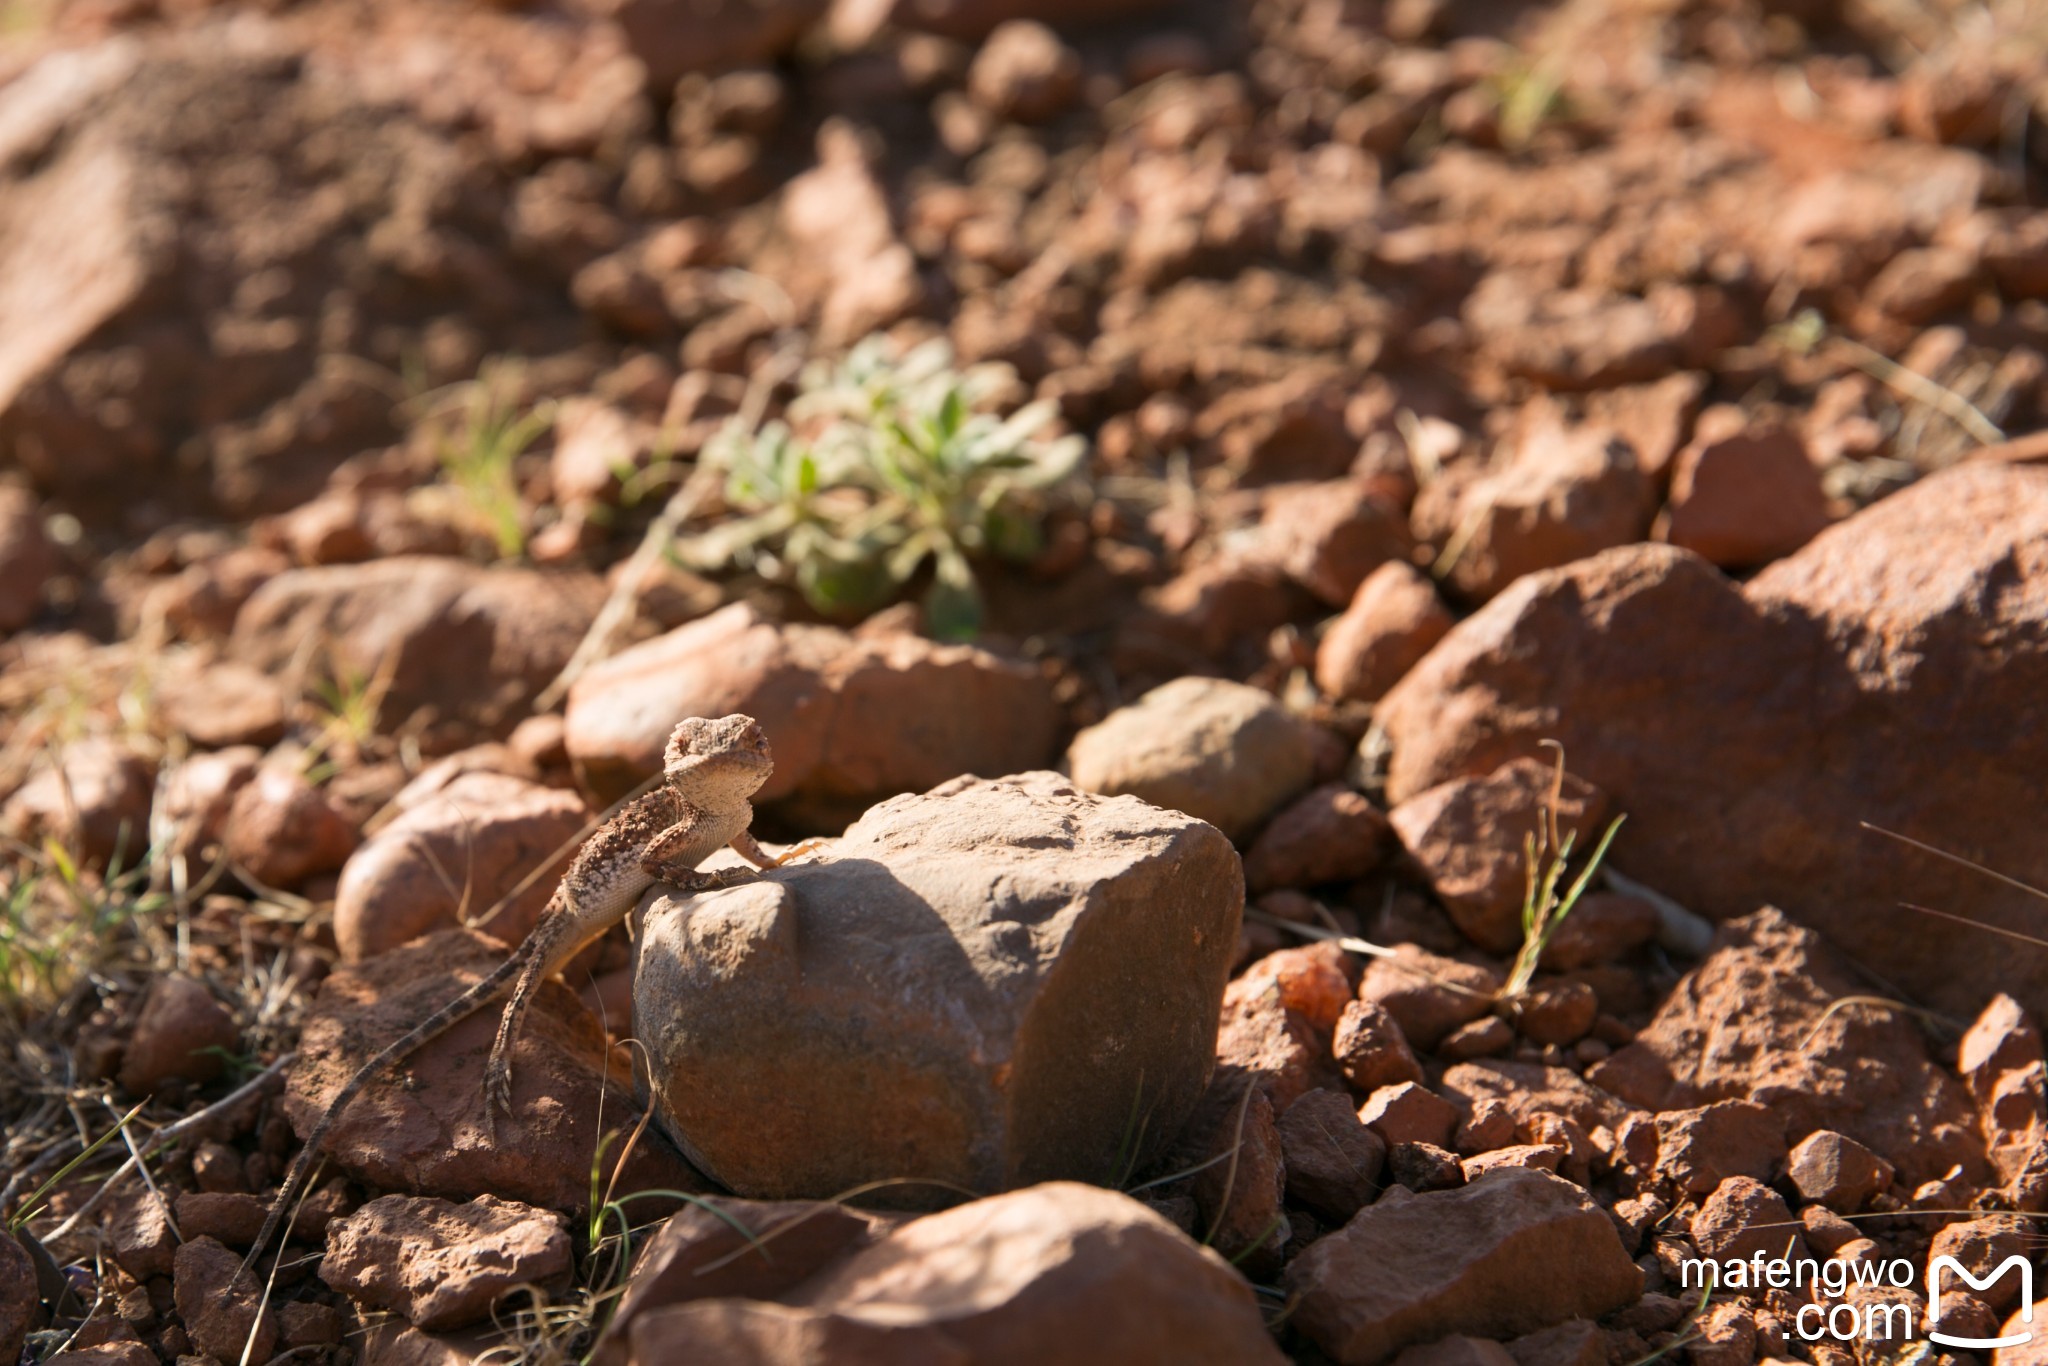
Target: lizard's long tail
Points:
(435, 1025)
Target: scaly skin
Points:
(710, 772)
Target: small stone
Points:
(1826, 1230)
(1699, 1149)
(1487, 1125)
(182, 1031)
(1424, 1167)
(1333, 1161)
(1744, 1217)
(93, 799)
(1543, 1157)
(1837, 1171)
(1220, 751)
(1513, 1253)
(1557, 1012)
(1238, 1197)
(1457, 1350)
(224, 704)
(1603, 927)
(283, 830)
(1575, 1342)
(1482, 1038)
(302, 1323)
(1745, 496)
(1313, 981)
(1391, 623)
(1331, 537)
(1427, 994)
(1725, 1335)
(1024, 72)
(139, 1236)
(1966, 1316)
(1408, 1112)
(27, 560)
(230, 1217)
(1328, 834)
(18, 1297)
(443, 1265)
(1371, 1050)
(1467, 835)
(221, 1304)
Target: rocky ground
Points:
(1494, 422)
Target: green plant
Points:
(884, 466)
(1545, 902)
(478, 433)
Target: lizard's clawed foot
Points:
(797, 851)
(497, 1094)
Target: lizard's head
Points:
(730, 753)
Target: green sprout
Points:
(884, 467)
(1545, 901)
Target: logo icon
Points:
(1934, 1270)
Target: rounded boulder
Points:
(995, 983)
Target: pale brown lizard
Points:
(710, 772)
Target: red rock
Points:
(1556, 1012)
(747, 1249)
(1456, 1351)
(1873, 630)
(18, 1297)
(1407, 1112)
(1919, 285)
(1391, 623)
(2001, 1060)
(304, 1324)
(676, 37)
(1572, 339)
(1744, 1217)
(1057, 1272)
(852, 718)
(1222, 752)
(1561, 495)
(1482, 1038)
(1727, 1336)
(1232, 1145)
(1653, 418)
(1428, 995)
(1575, 1342)
(139, 1235)
(444, 641)
(1836, 1171)
(1280, 1050)
(233, 1218)
(1423, 1167)
(452, 854)
(1223, 610)
(1825, 1231)
(94, 801)
(1332, 1160)
(1747, 1025)
(1745, 496)
(1313, 981)
(27, 558)
(197, 796)
(1467, 837)
(282, 830)
(854, 22)
(1602, 927)
(1331, 536)
(420, 1128)
(1328, 834)
(1699, 1149)
(906, 938)
(443, 1265)
(200, 601)
(221, 1304)
(1981, 1246)
(1371, 1050)
(1532, 1093)
(856, 272)
(183, 1032)
(1542, 1157)
(1509, 1254)
(223, 704)
(1288, 429)
(1024, 73)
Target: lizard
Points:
(711, 770)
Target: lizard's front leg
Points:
(750, 849)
